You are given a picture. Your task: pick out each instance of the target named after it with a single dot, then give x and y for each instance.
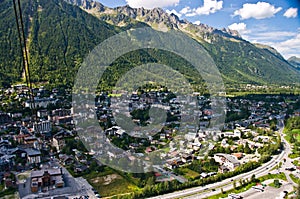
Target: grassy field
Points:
(113, 184)
(273, 185)
(294, 155)
(294, 178)
(109, 183)
(280, 176)
(22, 177)
(189, 174)
(296, 132)
(296, 163)
(238, 190)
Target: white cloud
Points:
(291, 12)
(240, 27)
(268, 35)
(197, 23)
(274, 35)
(260, 10)
(286, 43)
(185, 10)
(209, 7)
(151, 3)
(174, 12)
(289, 47)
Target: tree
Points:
(241, 182)
(227, 150)
(222, 191)
(277, 184)
(292, 139)
(240, 148)
(298, 190)
(253, 179)
(150, 181)
(234, 184)
(247, 148)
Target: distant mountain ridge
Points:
(211, 38)
(60, 34)
(295, 61)
(120, 16)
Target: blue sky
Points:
(272, 22)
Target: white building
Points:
(190, 136)
(237, 133)
(227, 160)
(41, 102)
(42, 127)
(33, 156)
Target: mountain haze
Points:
(61, 33)
(295, 61)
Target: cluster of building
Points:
(28, 142)
(258, 115)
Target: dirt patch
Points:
(106, 180)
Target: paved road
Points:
(203, 192)
(288, 163)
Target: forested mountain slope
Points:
(60, 35)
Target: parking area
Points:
(268, 193)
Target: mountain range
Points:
(61, 33)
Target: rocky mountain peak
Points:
(234, 33)
(156, 17)
(295, 62)
(87, 4)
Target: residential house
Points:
(63, 120)
(58, 140)
(61, 112)
(227, 160)
(79, 168)
(238, 155)
(190, 136)
(30, 140)
(7, 162)
(223, 169)
(33, 156)
(4, 118)
(41, 102)
(115, 130)
(66, 159)
(187, 158)
(42, 113)
(20, 138)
